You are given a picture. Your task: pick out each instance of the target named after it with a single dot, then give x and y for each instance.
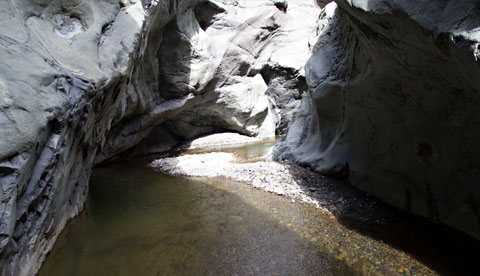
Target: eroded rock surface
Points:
(84, 80)
(61, 65)
(240, 63)
(394, 104)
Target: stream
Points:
(141, 222)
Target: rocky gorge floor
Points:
(383, 239)
(200, 158)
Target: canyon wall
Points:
(392, 98)
(394, 93)
(83, 80)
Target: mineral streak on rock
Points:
(394, 95)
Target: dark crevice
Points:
(281, 5)
(205, 13)
(4, 171)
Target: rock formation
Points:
(392, 99)
(84, 80)
(393, 103)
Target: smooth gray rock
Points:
(235, 50)
(237, 65)
(64, 70)
(395, 91)
(82, 81)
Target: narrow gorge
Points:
(374, 102)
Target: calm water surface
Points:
(139, 222)
(252, 152)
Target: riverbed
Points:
(141, 222)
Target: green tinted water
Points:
(139, 222)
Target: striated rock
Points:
(60, 63)
(232, 49)
(233, 64)
(83, 80)
(394, 104)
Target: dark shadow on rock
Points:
(205, 13)
(158, 83)
(174, 58)
(445, 250)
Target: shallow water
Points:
(141, 222)
(251, 152)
